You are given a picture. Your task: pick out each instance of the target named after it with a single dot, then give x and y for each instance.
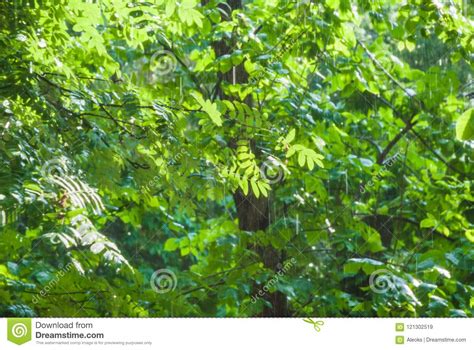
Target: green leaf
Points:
(171, 244)
(465, 125)
(470, 235)
(244, 185)
(170, 7)
(291, 136)
(209, 107)
(428, 222)
(334, 4)
(366, 264)
(255, 189)
(301, 159)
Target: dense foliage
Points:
(267, 157)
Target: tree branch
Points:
(428, 147)
(398, 137)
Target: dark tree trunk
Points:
(253, 213)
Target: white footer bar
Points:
(238, 333)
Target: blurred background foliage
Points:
(226, 141)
